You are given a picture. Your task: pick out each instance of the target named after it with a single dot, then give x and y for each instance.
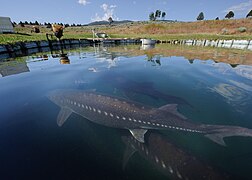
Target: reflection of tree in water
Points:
(63, 57)
(191, 61)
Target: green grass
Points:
(210, 30)
(12, 38)
(184, 36)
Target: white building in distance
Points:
(6, 25)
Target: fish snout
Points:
(54, 95)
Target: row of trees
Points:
(48, 25)
(157, 15)
(229, 15)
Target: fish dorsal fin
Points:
(169, 107)
(138, 134)
(63, 115)
(90, 90)
(172, 108)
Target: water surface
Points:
(210, 86)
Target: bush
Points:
(224, 31)
(242, 29)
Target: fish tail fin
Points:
(220, 132)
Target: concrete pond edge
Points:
(23, 47)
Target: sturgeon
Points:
(136, 117)
(171, 160)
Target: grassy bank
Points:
(211, 29)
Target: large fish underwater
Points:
(136, 117)
(171, 160)
(131, 88)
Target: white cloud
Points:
(83, 2)
(108, 12)
(241, 8)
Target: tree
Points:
(152, 16)
(229, 15)
(48, 25)
(163, 15)
(157, 14)
(217, 18)
(14, 24)
(36, 23)
(200, 16)
(249, 15)
(110, 20)
(21, 24)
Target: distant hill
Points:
(106, 22)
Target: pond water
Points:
(206, 88)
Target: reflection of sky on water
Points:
(234, 95)
(111, 62)
(232, 83)
(241, 70)
(241, 85)
(222, 67)
(244, 71)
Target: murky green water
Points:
(32, 145)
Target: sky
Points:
(86, 11)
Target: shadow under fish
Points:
(170, 160)
(132, 88)
(136, 117)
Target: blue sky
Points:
(85, 11)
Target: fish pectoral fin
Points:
(217, 138)
(63, 115)
(138, 134)
(130, 150)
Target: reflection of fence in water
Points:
(236, 44)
